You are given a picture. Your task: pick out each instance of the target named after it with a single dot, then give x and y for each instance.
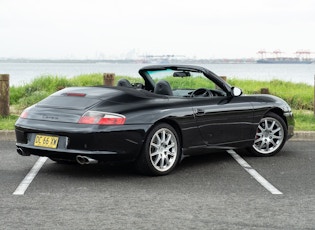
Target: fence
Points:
(108, 79)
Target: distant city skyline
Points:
(138, 55)
(201, 29)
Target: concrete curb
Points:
(303, 136)
(9, 135)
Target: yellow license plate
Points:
(46, 141)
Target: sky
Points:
(80, 29)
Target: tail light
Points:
(102, 118)
(25, 112)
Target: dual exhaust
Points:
(82, 160)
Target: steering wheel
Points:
(201, 92)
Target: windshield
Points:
(183, 82)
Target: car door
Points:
(224, 121)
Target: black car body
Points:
(152, 124)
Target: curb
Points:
(303, 136)
(9, 135)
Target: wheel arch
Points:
(279, 112)
(170, 122)
(272, 138)
(142, 160)
(175, 125)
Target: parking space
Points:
(292, 170)
(210, 191)
(13, 167)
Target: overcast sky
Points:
(120, 28)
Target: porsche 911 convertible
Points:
(172, 112)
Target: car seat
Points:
(124, 83)
(163, 87)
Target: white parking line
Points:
(30, 176)
(254, 173)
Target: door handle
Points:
(199, 112)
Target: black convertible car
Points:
(172, 112)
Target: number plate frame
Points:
(46, 141)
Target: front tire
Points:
(160, 152)
(270, 137)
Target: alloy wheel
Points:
(269, 136)
(163, 149)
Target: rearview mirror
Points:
(181, 74)
(236, 92)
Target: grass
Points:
(298, 95)
(304, 120)
(7, 123)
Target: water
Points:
(21, 73)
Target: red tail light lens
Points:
(102, 118)
(24, 114)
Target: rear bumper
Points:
(71, 154)
(101, 143)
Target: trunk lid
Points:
(69, 104)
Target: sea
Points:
(22, 73)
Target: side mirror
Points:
(236, 92)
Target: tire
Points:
(270, 136)
(161, 151)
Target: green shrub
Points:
(32, 99)
(48, 83)
(7, 123)
(304, 120)
(298, 95)
(87, 80)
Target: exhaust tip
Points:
(83, 160)
(22, 152)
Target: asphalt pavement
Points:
(204, 192)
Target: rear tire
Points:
(160, 152)
(270, 136)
